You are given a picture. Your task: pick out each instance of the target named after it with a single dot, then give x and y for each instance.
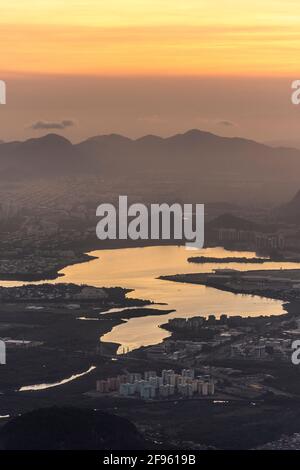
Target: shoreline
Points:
(118, 317)
(288, 304)
(84, 256)
(50, 275)
(86, 350)
(121, 318)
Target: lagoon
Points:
(139, 269)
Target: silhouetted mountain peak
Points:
(194, 136)
(111, 138)
(49, 140)
(150, 139)
(197, 133)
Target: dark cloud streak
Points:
(45, 125)
(226, 123)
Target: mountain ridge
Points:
(197, 164)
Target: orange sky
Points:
(151, 37)
(150, 66)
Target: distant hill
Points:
(70, 429)
(290, 212)
(230, 221)
(45, 157)
(233, 222)
(195, 165)
(284, 143)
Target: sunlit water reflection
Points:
(139, 268)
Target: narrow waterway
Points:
(45, 386)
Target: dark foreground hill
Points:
(70, 429)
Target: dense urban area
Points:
(219, 378)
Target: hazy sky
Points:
(145, 66)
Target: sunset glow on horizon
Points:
(150, 37)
